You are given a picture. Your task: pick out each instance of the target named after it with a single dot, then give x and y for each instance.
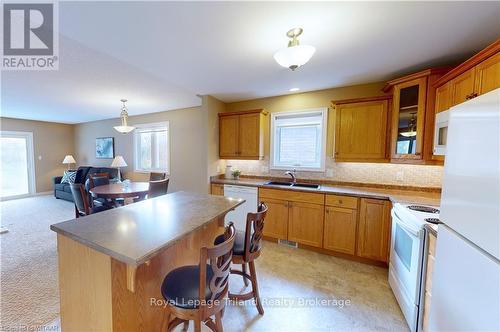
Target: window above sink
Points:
(298, 140)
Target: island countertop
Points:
(134, 233)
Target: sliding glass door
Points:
(16, 167)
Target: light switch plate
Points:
(329, 172)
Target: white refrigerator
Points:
(466, 281)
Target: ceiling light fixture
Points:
(124, 128)
(294, 89)
(294, 55)
(412, 127)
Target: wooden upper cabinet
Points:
(462, 87)
(361, 129)
(241, 135)
(474, 77)
(412, 123)
(305, 225)
(374, 229)
(443, 98)
(488, 75)
(249, 135)
(340, 229)
(408, 115)
(228, 136)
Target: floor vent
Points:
(287, 243)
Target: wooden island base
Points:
(100, 293)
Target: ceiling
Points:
(161, 55)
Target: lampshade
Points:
(294, 56)
(410, 133)
(118, 162)
(69, 160)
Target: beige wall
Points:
(188, 145)
(51, 142)
(409, 175)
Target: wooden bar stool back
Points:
(247, 248)
(199, 292)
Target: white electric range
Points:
(407, 257)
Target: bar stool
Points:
(197, 292)
(247, 247)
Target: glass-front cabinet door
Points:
(408, 119)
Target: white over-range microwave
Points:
(441, 132)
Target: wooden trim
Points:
(260, 110)
(479, 57)
(411, 77)
(360, 100)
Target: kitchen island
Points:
(112, 264)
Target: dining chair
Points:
(247, 248)
(157, 176)
(158, 188)
(82, 205)
(198, 292)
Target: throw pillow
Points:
(68, 177)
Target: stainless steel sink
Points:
(306, 185)
(291, 184)
(278, 183)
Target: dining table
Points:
(121, 190)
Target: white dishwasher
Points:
(239, 215)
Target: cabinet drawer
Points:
(291, 195)
(342, 201)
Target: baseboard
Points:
(42, 193)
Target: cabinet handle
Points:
(286, 205)
(340, 201)
(290, 204)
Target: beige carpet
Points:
(29, 285)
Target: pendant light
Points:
(294, 55)
(412, 127)
(124, 128)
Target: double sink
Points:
(292, 184)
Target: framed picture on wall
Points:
(105, 147)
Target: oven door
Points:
(406, 256)
(441, 133)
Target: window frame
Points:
(141, 128)
(324, 130)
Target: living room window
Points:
(298, 140)
(152, 147)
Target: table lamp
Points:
(69, 160)
(119, 162)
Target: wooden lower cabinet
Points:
(431, 252)
(340, 229)
(305, 223)
(217, 189)
(341, 224)
(374, 229)
(276, 224)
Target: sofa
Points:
(63, 190)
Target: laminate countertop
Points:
(136, 232)
(394, 195)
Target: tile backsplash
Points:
(376, 173)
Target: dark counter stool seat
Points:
(197, 292)
(247, 247)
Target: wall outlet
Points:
(329, 172)
(39, 157)
(400, 176)
(264, 169)
(218, 169)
